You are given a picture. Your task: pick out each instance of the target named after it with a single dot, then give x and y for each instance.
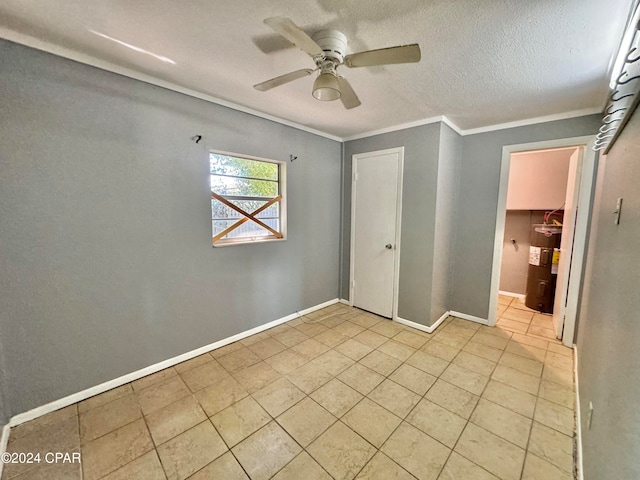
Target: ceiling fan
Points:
(328, 48)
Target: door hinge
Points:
(355, 176)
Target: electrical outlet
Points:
(589, 415)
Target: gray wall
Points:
(448, 170)
(515, 257)
(609, 334)
(477, 203)
(106, 264)
(421, 151)
(5, 411)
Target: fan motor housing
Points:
(333, 43)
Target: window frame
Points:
(282, 189)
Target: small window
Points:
(247, 199)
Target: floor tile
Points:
(417, 452)
(380, 362)
(256, 377)
(552, 446)
(354, 349)
(172, 420)
(395, 398)
(490, 340)
(474, 363)
(341, 451)
(517, 379)
(238, 359)
(266, 451)
(365, 320)
(512, 325)
(309, 377)
(561, 349)
(331, 338)
(481, 350)
(516, 400)
(278, 396)
(466, 379)
(559, 361)
(146, 467)
(491, 452)
(225, 350)
(190, 451)
(336, 397)
(535, 469)
(291, 337)
(371, 339)
(108, 417)
(49, 471)
(149, 380)
(192, 363)
(558, 375)
(442, 350)
(542, 332)
(454, 399)
(225, 467)
(451, 339)
(240, 420)
(397, 350)
(427, 363)
(387, 328)
(557, 393)
(267, 348)
(162, 394)
(372, 422)
(459, 468)
(306, 421)
(333, 362)
(310, 349)
(555, 416)
(518, 315)
(413, 378)
(527, 351)
(302, 467)
(114, 450)
(517, 362)
(103, 398)
(503, 422)
(381, 467)
(204, 375)
(311, 329)
(361, 378)
(285, 362)
(527, 340)
(48, 420)
(410, 339)
(219, 396)
(256, 337)
(437, 422)
(349, 329)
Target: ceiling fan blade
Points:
(347, 96)
(384, 56)
(282, 79)
(294, 34)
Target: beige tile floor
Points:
(339, 394)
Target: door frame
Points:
(396, 263)
(584, 204)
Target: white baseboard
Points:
(520, 296)
(579, 466)
(419, 326)
(346, 302)
(471, 318)
(130, 377)
(4, 440)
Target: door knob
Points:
(388, 246)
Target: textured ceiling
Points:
(484, 62)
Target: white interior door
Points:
(566, 243)
(377, 180)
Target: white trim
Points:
(346, 302)
(579, 465)
(127, 72)
(584, 209)
(396, 267)
(533, 121)
(130, 377)
(395, 128)
(419, 326)
(4, 440)
(471, 318)
(519, 296)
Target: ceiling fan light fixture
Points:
(326, 87)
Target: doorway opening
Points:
(541, 229)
